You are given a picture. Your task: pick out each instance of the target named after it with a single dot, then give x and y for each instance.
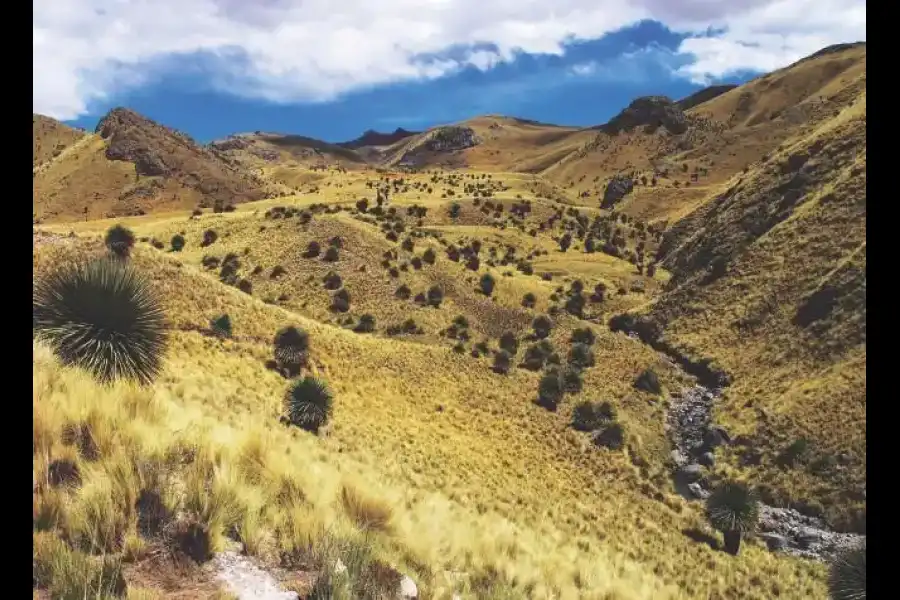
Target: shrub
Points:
(308, 404)
(177, 242)
(331, 255)
(246, 286)
(362, 205)
(119, 241)
(575, 305)
(487, 284)
(277, 271)
(611, 436)
(102, 316)
(847, 574)
(403, 292)
(340, 302)
(408, 244)
(542, 326)
(416, 262)
(429, 256)
(589, 416)
(221, 326)
(529, 300)
(332, 281)
(435, 296)
(565, 241)
(648, 381)
(536, 355)
(210, 262)
(550, 391)
(336, 242)
(502, 361)
(366, 324)
(454, 210)
(599, 294)
(256, 270)
(209, 238)
(509, 342)
(733, 509)
(571, 378)
(291, 345)
(581, 356)
(313, 249)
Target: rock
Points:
(617, 188)
(697, 491)
(692, 472)
(715, 436)
(408, 589)
(339, 567)
(774, 542)
(678, 458)
(809, 536)
(652, 112)
(707, 459)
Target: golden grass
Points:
(467, 488)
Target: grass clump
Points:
(308, 404)
(366, 513)
(733, 509)
(119, 241)
(590, 416)
(102, 316)
(366, 324)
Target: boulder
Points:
(715, 436)
(691, 473)
(697, 491)
(707, 459)
(408, 589)
(617, 188)
(774, 542)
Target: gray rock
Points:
(617, 188)
(408, 589)
(774, 542)
(808, 537)
(678, 458)
(697, 491)
(707, 459)
(691, 472)
(715, 436)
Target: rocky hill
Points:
(50, 138)
(132, 165)
(376, 138)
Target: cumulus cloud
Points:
(289, 50)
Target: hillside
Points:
(50, 138)
(131, 165)
(545, 347)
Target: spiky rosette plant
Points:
(221, 326)
(119, 241)
(733, 509)
(102, 316)
(291, 347)
(308, 404)
(847, 578)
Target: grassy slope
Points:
(50, 138)
(487, 462)
(794, 224)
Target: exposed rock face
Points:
(124, 130)
(451, 139)
(651, 112)
(376, 138)
(616, 190)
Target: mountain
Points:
(132, 165)
(375, 138)
(50, 138)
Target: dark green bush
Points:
(502, 362)
(366, 324)
(221, 326)
(119, 241)
(583, 335)
(332, 281)
(529, 300)
(209, 238)
(542, 326)
(648, 381)
(509, 342)
(487, 284)
(581, 356)
(313, 249)
(308, 404)
(611, 436)
(331, 255)
(102, 316)
(435, 296)
(403, 292)
(429, 256)
(340, 302)
(550, 391)
(177, 242)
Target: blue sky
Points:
(311, 67)
(586, 86)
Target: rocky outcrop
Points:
(650, 112)
(376, 138)
(616, 190)
(451, 139)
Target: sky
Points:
(332, 70)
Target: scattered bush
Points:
(308, 404)
(332, 281)
(509, 342)
(581, 356)
(291, 345)
(277, 271)
(221, 326)
(550, 391)
(313, 249)
(454, 210)
(331, 255)
(102, 316)
(648, 381)
(246, 286)
(403, 292)
(336, 242)
(340, 302)
(542, 326)
(362, 205)
(733, 509)
(366, 324)
(435, 296)
(429, 256)
(502, 362)
(529, 300)
(210, 262)
(209, 238)
(583, 335)
(487, 284)
(575, 305)
(611, 436)
(119, 241)
(177, 242)
(588, 416)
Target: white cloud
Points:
(285, 50)
(583, 69)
